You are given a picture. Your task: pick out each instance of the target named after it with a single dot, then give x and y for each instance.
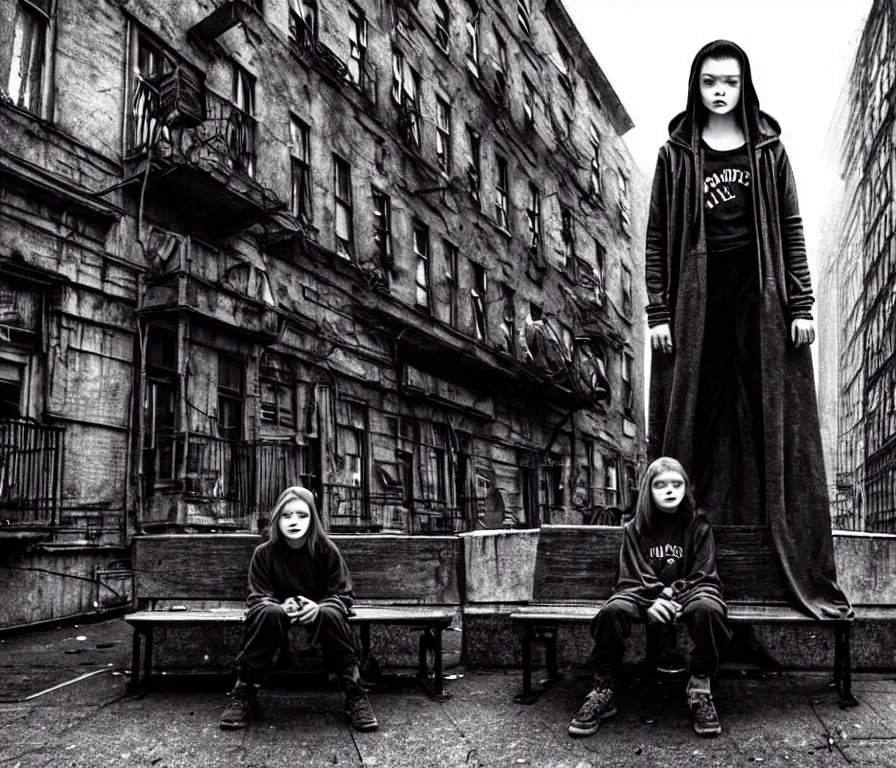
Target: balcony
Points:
(320, 57)
(31, 456)
(223, 18)
(201, 157)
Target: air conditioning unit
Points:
(181, 97)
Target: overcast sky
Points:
(800, 52)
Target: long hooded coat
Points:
(797, 504)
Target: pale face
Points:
(667, 490)
(720, 85)
(294, 521)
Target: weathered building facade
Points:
(388, 250)
(859, 269)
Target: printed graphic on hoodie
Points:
(724, 185)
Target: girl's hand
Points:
(308, 611)
(668, 593)
(662, 611)
(802, 331)
(661, 338)
(292, 608)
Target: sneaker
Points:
(239, 710)
(706, 719)
(360, 713)
(598, 705)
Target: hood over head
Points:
(685, 128)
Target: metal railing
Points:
(31, 456)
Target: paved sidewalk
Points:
(793, 720)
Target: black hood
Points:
(759, 127)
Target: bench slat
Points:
(411, 614)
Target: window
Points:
(611, 489)
(473, 15)
(600, 261)
(568, 236)
(627, 387)
(626, 292)
(300, 150)
(565, 66)
(357, 52)
(421, 252)
(443, 20)
(277, 383)
(160, 404)
(478, 293)
(474, 171)
(303, 21)
(524, 15)
(343, 203)
(585, 475)
(622, 184)
(595, 184)
(241, 131)
(405, 93)
(382, 228)
(230, 397)
(149, 62)
(552, 483)
(528, 102)
(533, 217)
(29, 46)
(451, 278)
(502, 68)
(501, 194)
(508, 319)
(443, 137)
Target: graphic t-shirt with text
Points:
(665, 547)
(727, 198)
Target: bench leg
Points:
(843, 665)
(147, 659)
(548, 636)
(133, 685)
(431, 639)
(526, 696)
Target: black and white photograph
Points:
(477, 383)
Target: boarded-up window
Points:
(277, 382)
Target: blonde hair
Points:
(317, 537)
(646, 508)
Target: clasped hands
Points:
(802, 331)
(300, 610)
(664, 609)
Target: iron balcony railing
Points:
(31, 462)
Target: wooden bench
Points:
(398, 580)
(583, 561)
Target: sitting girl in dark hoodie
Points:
(667, 573)
(297, 577)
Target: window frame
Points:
(279, 384)
(626, 288)
(473, 28)
(357, 29)
(300, 165)
(233, 396)
(382, 227)
(443, 25)
(533, 218)
(474, 170)
(502, 193)
(479, 300)
(422, 266)
(443, 135)
(41, 21)
(452, 279)
(296, 18)
(508, 318)
(596, 185)
(406, 98)
(342, 200)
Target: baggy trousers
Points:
(612, 627)
(266, 630)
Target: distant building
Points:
(388, 250)
(858, 283)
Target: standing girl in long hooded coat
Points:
(730, 313)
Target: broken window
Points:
(342, 187)
(508, 319)
(443, 136)
(622, 185)
(473, 16)
(626, 292)
(478, 293)
(528, 102)
(568, 236)
(29, 44)
(405, 93)
(277, 382)
(474, 171)
(501, 193)
(357, 54)
(627, 387)
(241, 126)
(421, 251)
(611, 488)
(382, 228)
(451, 279)
(300, 150)
(524, 15)
(303, 21)
(230, 397)
(160, 405)
(443, 19)
(149, 62)
(595, 183)
(533, 216)
(502, 68)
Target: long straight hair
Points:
(316, 537)
(646, 511)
